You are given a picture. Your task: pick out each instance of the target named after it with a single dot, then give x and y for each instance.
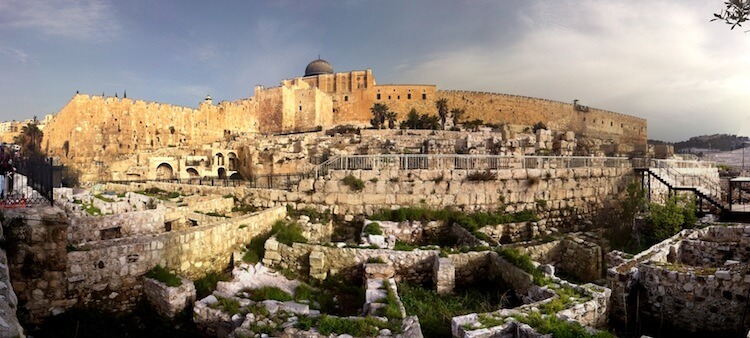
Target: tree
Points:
(457, 114)
(30, 139)
(391, 116)
(379, 110)
(735, 13)
(442, 107)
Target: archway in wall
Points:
(222, 173)
(219, 159)
(233, 162)
(193, 173)
(164, 172)
(235, 176)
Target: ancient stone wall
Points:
(554, 193)
(106, 274)
(572, 256)
(512, 109)
(9, 325)
(414, 266)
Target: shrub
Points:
(391, 310)
(559, 328)
(105, 199)
(303, 292)
(207, 284)
(376, 260)
(162, 275)
(354, 183)
(230, 305)
(481, 176)
(291, 233)
(373, 229)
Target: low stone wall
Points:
(680, 284)
(169, 301)
(414, 266)
(53, 276)
(96, 228)
(573, 256)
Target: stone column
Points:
(444, 275)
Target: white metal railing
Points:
(707, 185)
(458, 162)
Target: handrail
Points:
(461, 161)
(704, 185)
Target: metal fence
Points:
(31, 183)
(459, 162)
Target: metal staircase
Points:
(702, 186)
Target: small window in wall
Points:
(378, 96)
(389, 97)
(398, 97)
(611, 124)
(167, 226)
(424, 96)
(300, 108)
(346, 98)
(408, 96)
(584, 119)
(622, 125)
(110, 233)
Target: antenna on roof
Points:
(318, 56)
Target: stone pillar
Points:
(169, 301)
(317, 265)
(444, 275)
(271, 257)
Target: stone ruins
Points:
(282, 215)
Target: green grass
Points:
(162, 275)
(303, 292)
(269, 292)
(92, 210)
(207, 284)
(315, 215)
(229, 305)
(523, 261)
(391, 310)
(367, 326)
(290, 233)
(375, 260)
(404, 246)
(470, 222)
(373, 229)
(435, 311)
(550, 324)
(105, 199)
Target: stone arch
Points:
(193, 173)
(219, 159)
(232, 162)
(235, 176)
(164, 172)
(222, 173)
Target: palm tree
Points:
(457, 114)
(30, 139)
(442, 107)
(379, 110)
(391, 116)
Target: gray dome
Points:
(318, 67)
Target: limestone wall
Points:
(9, 325)
(96, 228)
(504, 108)
(554, 193)
(572, 256)
(53, 275)
(414, 266)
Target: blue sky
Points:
(658, 59)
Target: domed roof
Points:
(318, 67)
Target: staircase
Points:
(702, 186)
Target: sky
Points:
(662, 60)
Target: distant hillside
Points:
(721, 142)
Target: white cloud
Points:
(77, 19)
(662, 60)
(16, 54)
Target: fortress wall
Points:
(512, 109)
(93, 128)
